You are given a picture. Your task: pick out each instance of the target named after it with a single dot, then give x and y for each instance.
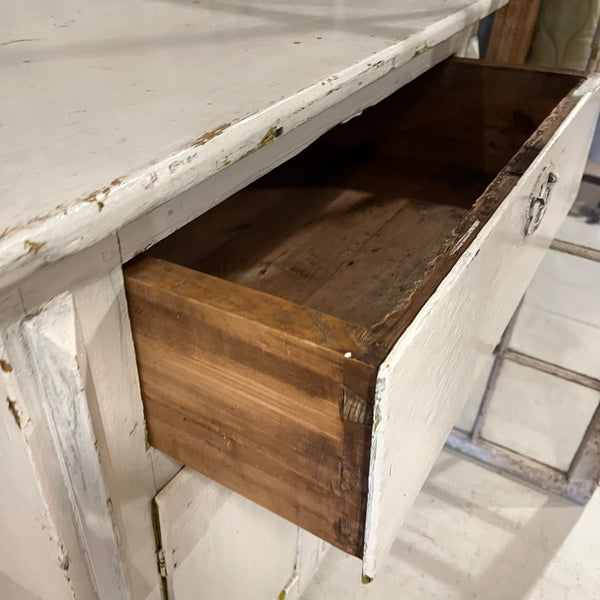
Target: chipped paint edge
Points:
(585, 91)
(53, 340)
(79, 224)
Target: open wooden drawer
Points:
(310, 342)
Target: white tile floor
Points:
(475, 534)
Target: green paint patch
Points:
(34, 247)
(366, 579)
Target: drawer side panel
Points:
(251, 405)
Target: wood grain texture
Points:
(261, 327)
(366, 194)
(512, 32)
(249, 389)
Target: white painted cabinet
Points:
(215, 543)
(111, 115)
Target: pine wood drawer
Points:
(310, 342)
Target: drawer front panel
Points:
(423, 383)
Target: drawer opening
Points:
(353, 223)
(260, 327)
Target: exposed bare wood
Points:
(512, 32)
(249, 389)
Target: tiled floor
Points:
(475, 534)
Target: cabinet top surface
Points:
(109, 108)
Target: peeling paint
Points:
(376, 417)
(99, 196)
(5, 366)
(272, 133)
(421, 50)
(34, 247)
(465, 237)
(60, 208)
(141, 250)
(64, 563)
(209, 135)
(12, 408)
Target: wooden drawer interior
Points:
(260, 326)
(349, 225)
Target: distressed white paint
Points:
(94, 279)
(219, 545)
(43, 455)
(216, 544)
(33, 558)
(311, 552)
(102, 101)
(60, 367)
(168, 217)
(421, 386)
(539, 415)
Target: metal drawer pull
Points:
(538, 204)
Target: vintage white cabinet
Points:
(120, 123)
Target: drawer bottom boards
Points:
(307, 341)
